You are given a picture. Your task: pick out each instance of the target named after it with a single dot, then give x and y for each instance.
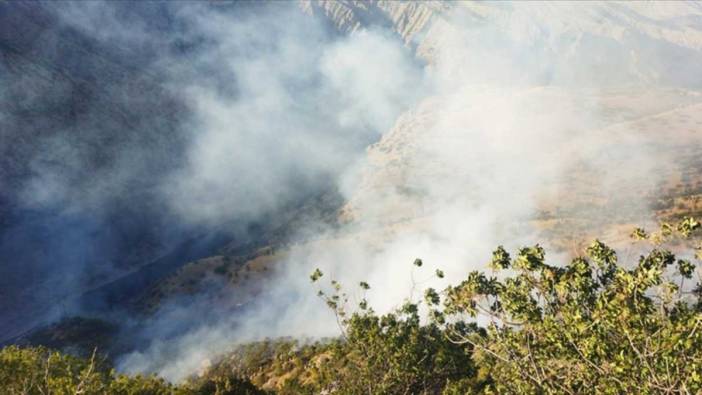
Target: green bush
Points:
(591, 326)
(41, 371)
(37, 370)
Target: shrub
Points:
(41, 371)
(590, 326)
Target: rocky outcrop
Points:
(408, 19)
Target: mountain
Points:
(564, 121)
(546, 122)
(608, 69)
(567, 124)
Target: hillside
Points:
(640, 131)
(596, 324)
(200, 168)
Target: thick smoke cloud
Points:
(303, 105)
(517, 117)
(84, 132)
(171, 121)
(293, 109)
(515, 109)
(163, 123)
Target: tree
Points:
(36, 370)
(590, 326)
(394, 353)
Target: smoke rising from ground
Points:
(515, 109)
(305, 105)
(170, 121)
(278, 108)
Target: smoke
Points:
(505, 112)
(294, 107)
(83, 134)
(304, 105)
(523, 114)
(168, 122)
(156, 124)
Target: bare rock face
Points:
(565, 28)
(408, 19)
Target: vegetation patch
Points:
(592, 325)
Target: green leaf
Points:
(316, 275)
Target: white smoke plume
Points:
(518, 101)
